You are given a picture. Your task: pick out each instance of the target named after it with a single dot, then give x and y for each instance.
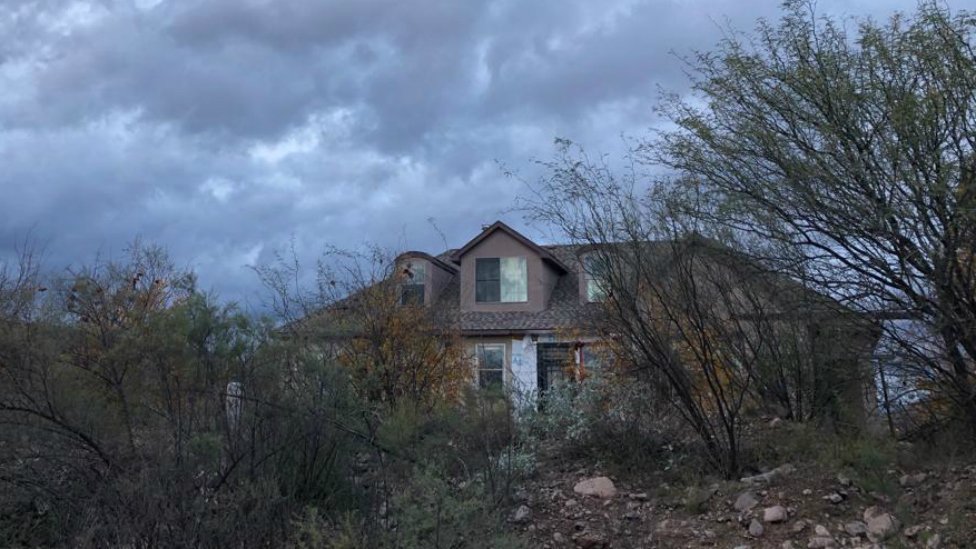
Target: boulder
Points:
(821, 542)
(745, 501)
(770, 476)
(776, 513)
(821, 531)
(881, 526)
(834, 498)
(913, 531)
(601, 487)
(756, 528)
(909, 481)
(871, 512)
(856, 528)
(591, 540)
(522, 514)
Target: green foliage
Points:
(433, 512)
(871, 460)
(123, 430)
(608, 418)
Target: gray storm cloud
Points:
(222, 129)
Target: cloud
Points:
(223, 129)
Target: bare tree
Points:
(721, 333)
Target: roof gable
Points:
(436, 261)
(545, 254)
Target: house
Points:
(530, 313)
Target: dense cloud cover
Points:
(222, 129)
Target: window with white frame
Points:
(594, 276)
(412, 287)
(491, 364)
(501, 280)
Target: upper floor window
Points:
(414, 283)
(501, 280)
(595, 280)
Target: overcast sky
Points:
(221, 129)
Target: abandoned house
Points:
(530, 315)
(525, 310)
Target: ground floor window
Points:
(491, 364)
(591, 358)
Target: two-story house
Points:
(528, 314)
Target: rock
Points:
(821, 531)
(742, 547)
(787, 545)
(601, 487)
(799, 526)
(522, 514)
(856, 528)
(559, 538)
(871, 512)
(756, 529)
(591, 540)
(745, 501)
(844, 480)
(934, 542)
(775, 421)
(807, 492)
(834, 498)
(696, 498)
(881, 527)
(820, 542)
(909, 481)
(571, 503)
(641, 496)
(770, 476)
(912, 531)
(775, 513)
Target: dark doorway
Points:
(551, 362)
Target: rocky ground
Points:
(578, 505)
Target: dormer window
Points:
(594, 277)
(501, 280)
(412, 288)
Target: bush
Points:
(434, 512)
(609, 418)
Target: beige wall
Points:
(541, 277)
(437, 278)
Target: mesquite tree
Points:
(853, 147)
(714, 331)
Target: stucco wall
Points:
(541, 277)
